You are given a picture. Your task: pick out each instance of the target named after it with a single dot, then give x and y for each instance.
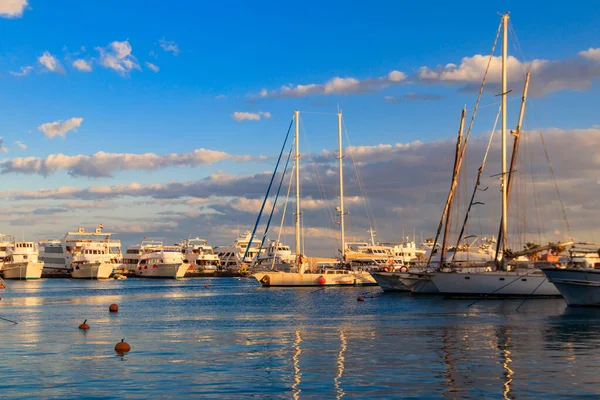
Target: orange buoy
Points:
(360, 298)
(84, 326)
(122, 347)
(113, 308)
(206, 286)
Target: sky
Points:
(165, 120)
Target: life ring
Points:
(386, 269)
(403, 268)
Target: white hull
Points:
(579, 287)
(494, 284)
(419, 283)
(327, 278)
(92, 271)
(390, 281)
(172, 271)
(23, 270)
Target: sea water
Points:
(235, 339)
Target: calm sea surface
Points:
(237, 340)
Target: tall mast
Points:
(341, 210)
(297, 164)
(504, 176)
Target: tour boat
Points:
(21, 261)
(161, 262)
(199, 255)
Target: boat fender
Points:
(265, 281)
(321, 280)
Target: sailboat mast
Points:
(341, 156)
(504, 176)
(297, 164)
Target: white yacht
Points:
(231, 256)
(58, 255)
(131, 257)
(161, 262)
(276, 255)
(299, 273)
(92, 261)
(21, 261)
(5, 242)
(199, 255)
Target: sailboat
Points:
(498, 278)
(298, 273)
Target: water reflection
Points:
(340, 364)
(503, 334)
(296, 363)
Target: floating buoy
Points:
(321, 280)
(360, 298)
(113, 308)
(206, 286)
(84, 326)
(122, 347)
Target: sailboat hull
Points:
(327, 278)
(494, 284)
(390, 281)
(579, 287)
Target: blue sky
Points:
(214, 59)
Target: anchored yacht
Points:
(21, 261)
(161, 262)
(232, 256)
(101, 256)
(199, 255)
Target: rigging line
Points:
(268, 190)
(478, 181)
(361, 186)
(555, 184)
(285, 208)
(287, 162)
(9, 320)
(531, 295)
(466, 139)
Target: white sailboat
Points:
(505, 280)
(298, 273)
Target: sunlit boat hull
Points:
(494, 284)
(163, 271)
(579, 287)
(91, 271)
(390, 281)
(295, 279)
(23, 270)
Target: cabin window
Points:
(467, 277)
(501, 279)
(524, 280)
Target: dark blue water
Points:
(237, 340)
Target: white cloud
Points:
(152, 67)
(60, 128)
(82, 65)
(3, 149)
(337, 85)
(248, 116)
(220, 97)
(24, 71)
(51, 63)
(574, 73)
(12, 8)
(104, 164)
(21, 145)
(117, 56)
(169, 46)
